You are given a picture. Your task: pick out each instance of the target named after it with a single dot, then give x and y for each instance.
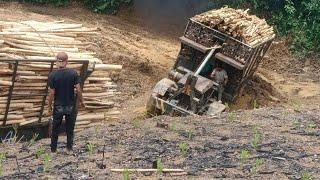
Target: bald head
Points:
(62, 56)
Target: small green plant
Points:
(296, 123)
(173, 127)
(40, 152)
(159, 166)
(311, 126)
(227, 106)
(90, 148)
(296, 106)
(256, 138)
(258, 162)
(306, 176)
(136, 123)
(255, 104)
(190, 134)
(231, 117)
(126, 174)
(183, 147)
(2, 157)
(244, 155)
(46, 162)
(105, 6)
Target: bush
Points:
(55, 2)
(299, 20)
(105, 6)
(101, 6)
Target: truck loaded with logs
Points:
(227, 37)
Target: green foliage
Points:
(101, 6)
(2, 157)
(183, 147)
(256, 138)
(255, 104)
(136, 123)
(159, 166)
(256, 165)
(105, 6)
(173, 127)
(231, 117)
(40, 152)
(306, 176)
(46, 162)
(227, 106)
(311, 126)
(90, 148)
(244, 155)
(296, 123)
(190, 134)
(54, 2)
(299, 20)
(126, 174)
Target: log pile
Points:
(43, 40)
(238, 24)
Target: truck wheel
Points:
(151, 107)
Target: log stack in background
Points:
(238, 24)
(43, 40)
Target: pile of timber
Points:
(238, 24)
(43, 40)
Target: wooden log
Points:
(10, 72)
(44, 48)
(99, 79)
(17, 105)
(34, 120)
(106, 67)
(78, 123)
(147, 170)
(5, 83)
(91, 117)
(17, 121)
(11, 116)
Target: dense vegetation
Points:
(102, 6)
(299, 20)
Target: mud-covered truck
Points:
(232, 38)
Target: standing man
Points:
(62, 83)
(220, 76)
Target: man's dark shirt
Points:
(63, 81)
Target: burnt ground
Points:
(285, 141)
(285, 88)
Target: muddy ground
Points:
(286, 127)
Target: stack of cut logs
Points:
(43, 40)
(238, 24)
